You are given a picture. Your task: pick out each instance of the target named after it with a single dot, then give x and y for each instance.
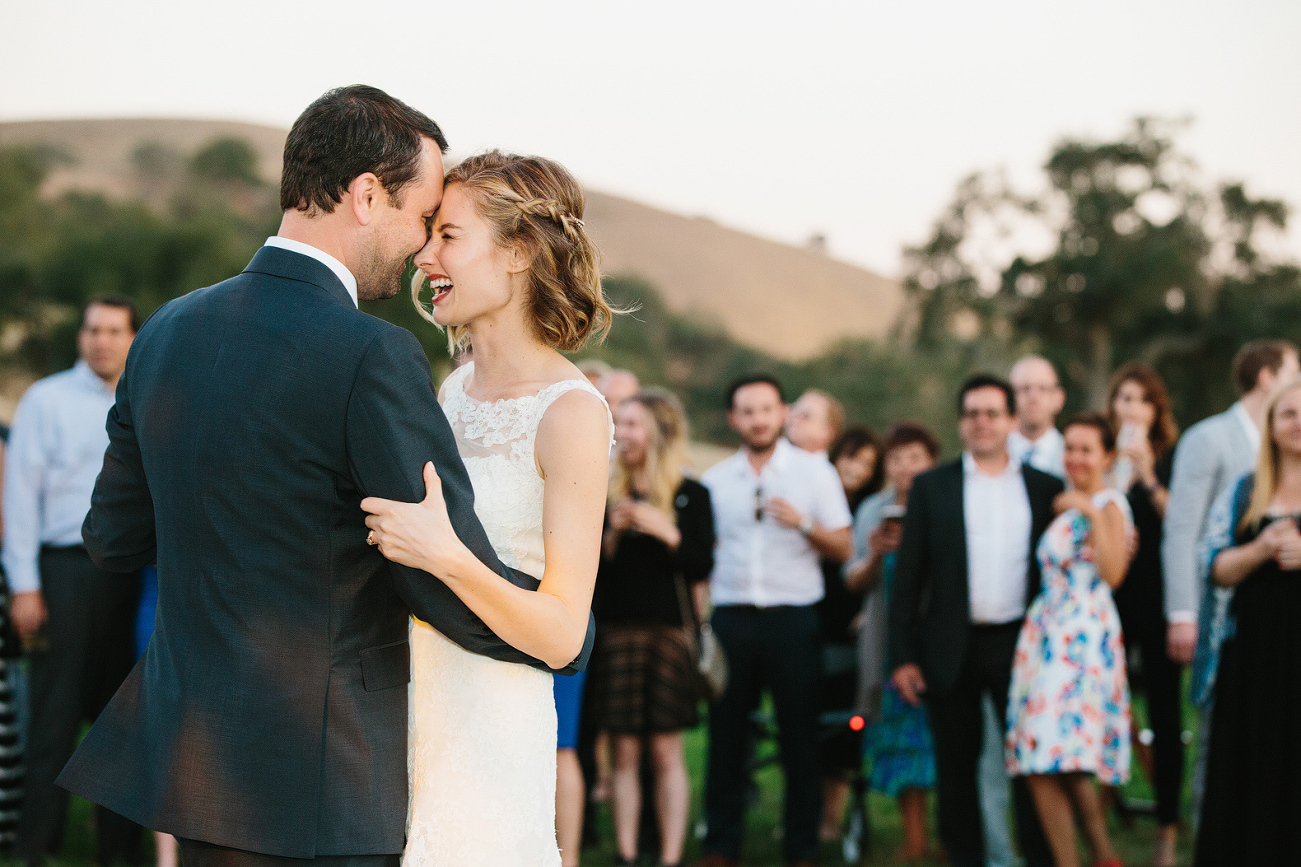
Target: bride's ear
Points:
(519, 258)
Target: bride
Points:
(514, 276)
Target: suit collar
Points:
(278, 262)
(340, 270)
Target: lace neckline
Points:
(484, 424)
(460, 377)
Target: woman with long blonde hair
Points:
(1251, 812)
(657, 552)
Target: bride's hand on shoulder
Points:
(418, 535)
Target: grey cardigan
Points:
(1211, 455)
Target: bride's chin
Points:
(446, 318)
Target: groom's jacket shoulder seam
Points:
(275, 276)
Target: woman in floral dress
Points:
(1068, 708)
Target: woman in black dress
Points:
(1140, 416)
(657, 552)
(1251, 813)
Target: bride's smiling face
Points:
(470, 275)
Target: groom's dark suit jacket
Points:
(269, 712)
(930, 610)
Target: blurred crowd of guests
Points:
(972, 628)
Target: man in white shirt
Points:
(777, 509)
(1035, 442)
(964, 577)
(76, 621)
(1039, 398)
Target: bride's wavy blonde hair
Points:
(534, 204)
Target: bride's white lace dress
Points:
(482, 733)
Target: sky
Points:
(854, 120)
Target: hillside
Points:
(789, 301)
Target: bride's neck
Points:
(506, 353)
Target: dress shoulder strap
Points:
(551, 393)
(1111, 495)
(455, 381)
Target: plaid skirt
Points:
(644, 681)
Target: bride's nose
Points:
(425, 259)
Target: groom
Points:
(268, 718)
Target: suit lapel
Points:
(1041, 514)
(954, 517)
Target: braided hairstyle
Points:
(536, 204)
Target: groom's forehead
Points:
(429, 183)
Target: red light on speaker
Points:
(856, 723)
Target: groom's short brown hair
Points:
(347, 132)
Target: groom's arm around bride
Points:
(393, 379)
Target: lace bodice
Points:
(496, 440)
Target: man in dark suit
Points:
(965, 574)
(268, 718)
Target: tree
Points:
(1124, 256)
(226, 160)
(60, 252)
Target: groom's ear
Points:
(366, 194)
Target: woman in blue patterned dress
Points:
(1068, 708)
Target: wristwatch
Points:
(806, 525)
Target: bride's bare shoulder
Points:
(575, 427)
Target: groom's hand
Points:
(418, 535)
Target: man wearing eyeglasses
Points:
(777, 510)
(965, 574)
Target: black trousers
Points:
(779, 648)
(957, 723)
(1160, 682)
(198, 854)
(86, 649)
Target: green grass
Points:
(762, 839)
(762, 847)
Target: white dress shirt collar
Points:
(345, 276)
(778, 461)
(970, 466)
(1046, 453)
(82, 372)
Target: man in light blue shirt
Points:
(75, 622)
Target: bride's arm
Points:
(572, 451)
